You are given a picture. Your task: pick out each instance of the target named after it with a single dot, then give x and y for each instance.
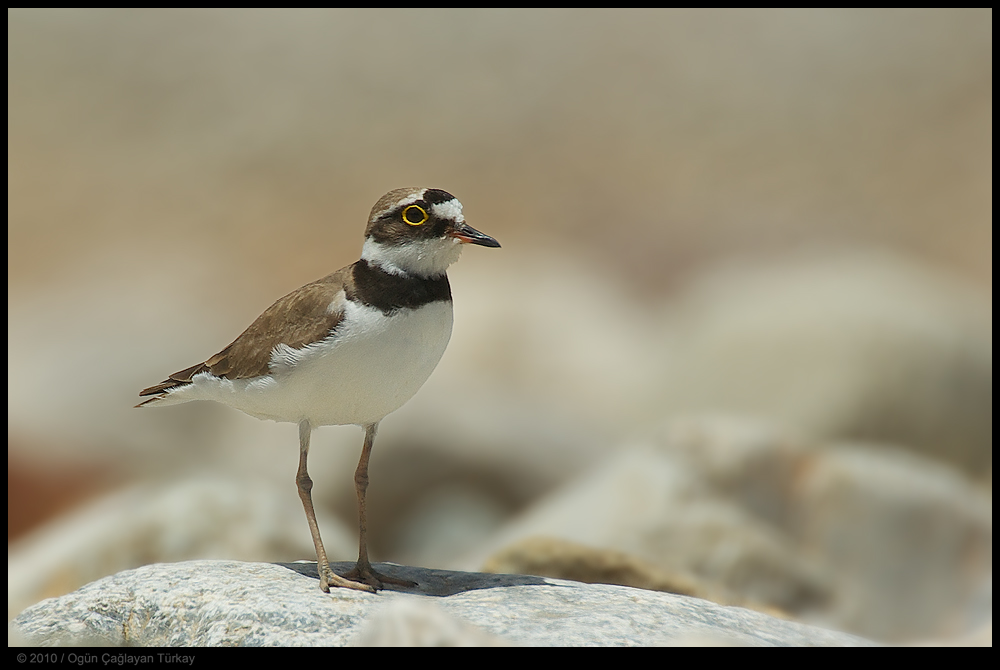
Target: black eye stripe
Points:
(398, 212)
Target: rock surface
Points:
(218, 603)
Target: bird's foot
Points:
(328, 578)
(364, 573)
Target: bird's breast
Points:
(368, 367)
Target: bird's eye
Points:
(415, 215)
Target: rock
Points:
(419, 622)
(880, 542)
(651, 506)
(552, 557)
(864, 345)
(216, 603)
(206, 517)
(908, 540)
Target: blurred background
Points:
(737, 343)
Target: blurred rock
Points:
(153, 523)
(557, 334)
(456, 463)
(552, 557)
(983, 637)
(650, 505)
(854, 345)
(215, 603)
(880, 542)
(909, 540)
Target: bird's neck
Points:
(424, 259)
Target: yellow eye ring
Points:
(423, 215)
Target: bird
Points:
(347, 349)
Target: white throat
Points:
(420, 258)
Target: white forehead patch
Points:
(409, 200)
(449, 210)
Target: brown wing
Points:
(301, 317)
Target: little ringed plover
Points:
(349, 348)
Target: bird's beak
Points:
(469, 235)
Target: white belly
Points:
(370, 368)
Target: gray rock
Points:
(908, 540)
(864, 346)
(204, 517)
(216, 603)
(880, 542)
(652, 506)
